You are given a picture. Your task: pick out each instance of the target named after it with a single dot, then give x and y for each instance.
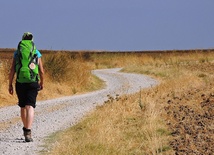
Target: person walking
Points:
(27, 65)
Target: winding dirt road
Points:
(59, 114)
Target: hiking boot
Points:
(27, 134)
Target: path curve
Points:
(58, 114)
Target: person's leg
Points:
(23, 117)
(29, 116)
(21, 94)
(27, 94)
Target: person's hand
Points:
(40, 86)
(10, 89)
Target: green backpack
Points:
(26, 62)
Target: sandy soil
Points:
(58, 114)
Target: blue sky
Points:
(109, 24)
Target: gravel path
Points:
(59, 114)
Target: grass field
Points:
(176, 117)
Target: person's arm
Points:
(41, 74)
(11, 76)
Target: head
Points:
(27, 36)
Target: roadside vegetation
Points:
(174, 117)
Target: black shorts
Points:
(27, 93)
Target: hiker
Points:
(27, 65)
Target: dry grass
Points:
(123, 127)
(64, 75)
(5, 98)
(119, 127)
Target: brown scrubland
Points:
(174, 117)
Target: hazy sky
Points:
(109, 24)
